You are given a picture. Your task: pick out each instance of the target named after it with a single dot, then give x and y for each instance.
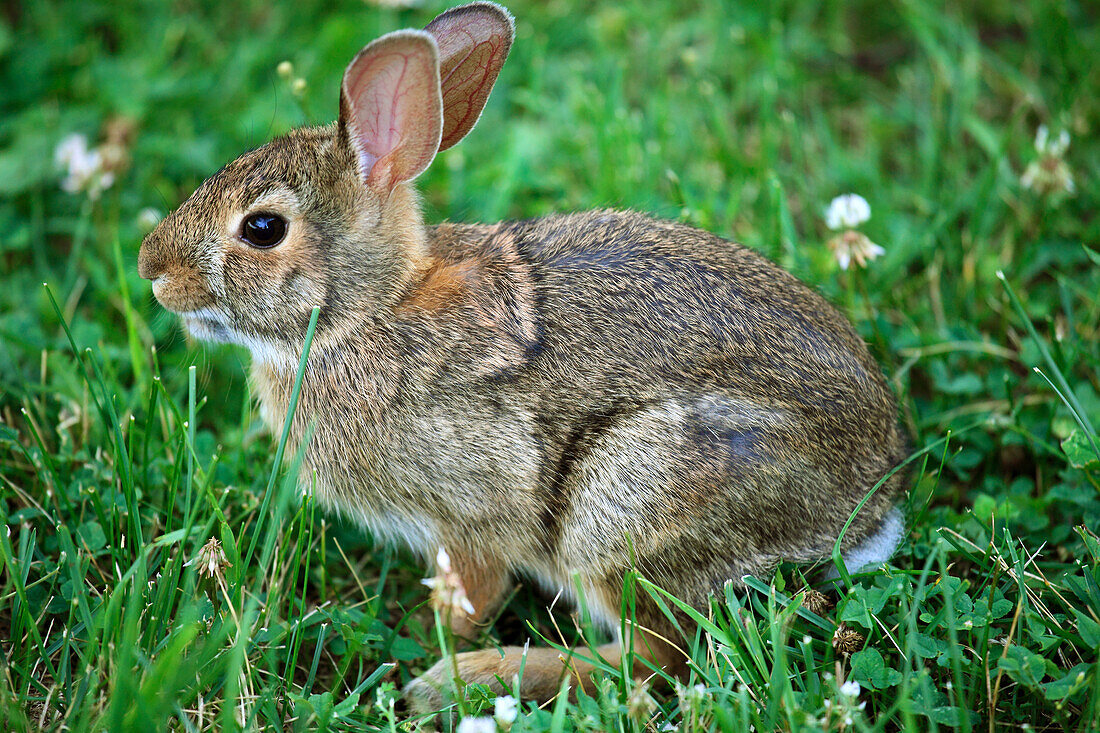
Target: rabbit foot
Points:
(543, 671)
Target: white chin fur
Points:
(210, 324)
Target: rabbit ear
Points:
(474, 41)
(391, 108)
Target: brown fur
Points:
(567, 397)
(444, 285)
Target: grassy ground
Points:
(124, 449)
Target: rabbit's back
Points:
(633, 298)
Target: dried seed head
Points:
(1049, 173)
(847, 641)
(817, 602)
(640, 704)
(852, 245)
(211, 560)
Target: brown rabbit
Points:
(565, 397)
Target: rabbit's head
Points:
(326, 216)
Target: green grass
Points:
(124, 449)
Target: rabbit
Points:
(562, 399)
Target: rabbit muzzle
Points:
(182, 291)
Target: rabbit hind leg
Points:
(540, 671)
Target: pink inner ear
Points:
(393, 109)
(466, 86)
(473, 44)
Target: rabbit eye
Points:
(263, 230)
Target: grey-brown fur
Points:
(576, 394)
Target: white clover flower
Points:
(850, 689)
(385, 698)
(847, 212)
(1045, 146)
(505, 710)
(285, 69)
(476, 725)
(72, 147)
(82, 165)
(85, 169)
(448, 593)
(694, 696)
(1049, 173)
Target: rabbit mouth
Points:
(211, 324)
(207, 324)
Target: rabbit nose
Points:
(150, 266)
(151, 260)
(180, 289)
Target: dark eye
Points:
(263, 230)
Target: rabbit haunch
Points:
(565, 397)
